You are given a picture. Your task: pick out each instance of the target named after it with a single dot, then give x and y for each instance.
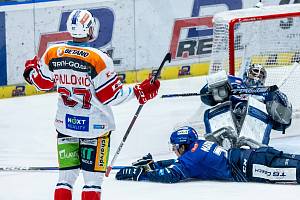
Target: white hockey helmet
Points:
(79, 24)
(255, 75)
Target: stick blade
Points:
(168, 57)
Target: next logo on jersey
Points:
(77, 123)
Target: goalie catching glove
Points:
(146, 90)
(31, 66)
(278, 106)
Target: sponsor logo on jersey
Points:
(76, 52)
(92, 142)
(69, 64)
(59, 121)
(77, 123)
(62, 51)
(86, 155)
(102, 154)
(98, 126)
(63, 154)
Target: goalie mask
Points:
(183, 136)
(81, 24)
(255, 75)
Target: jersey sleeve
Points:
(42, 78)
(108, 87)
(171, 174)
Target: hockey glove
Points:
(225, 137)
(30, 65)
(146, 90)
(218, 86)
(129, 173)
(146, 162)
(279, 107)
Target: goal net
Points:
(269, 36)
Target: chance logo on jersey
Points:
(77, 123)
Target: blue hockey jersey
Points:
(204, 160)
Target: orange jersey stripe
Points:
(74, 52)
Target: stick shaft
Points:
(110, 167)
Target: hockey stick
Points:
(238, 91)
(17, 168)
(109, 168)
(180, 95)
(257, 90)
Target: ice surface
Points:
(28, 138)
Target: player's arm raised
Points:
(111, 91)
(38, 74)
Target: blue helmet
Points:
(184, 135)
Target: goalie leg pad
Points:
(257, 125)
(218, 117)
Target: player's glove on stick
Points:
(30, 66)
(146, 90)
(146, 162)
(129, 173)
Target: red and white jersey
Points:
(87, 85)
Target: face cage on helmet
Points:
(173, 147)
(255, 77)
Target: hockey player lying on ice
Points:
(251, 116)
(205, 160)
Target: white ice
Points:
(28, 138)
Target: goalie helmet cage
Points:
(269, 36)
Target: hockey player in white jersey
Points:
(88, 86)
(244, 119)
